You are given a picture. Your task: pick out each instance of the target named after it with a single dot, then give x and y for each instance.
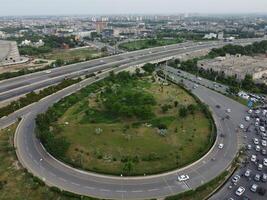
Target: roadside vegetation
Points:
(16, 183)
(35, 96)
(74, 55)
(148, 43)
(246, 84)
(127, 124)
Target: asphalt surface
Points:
(248, 133)
(22, 85)
(36, 160)
(54, 173)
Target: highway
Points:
(22, 85)
(54, 173)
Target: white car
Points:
(240, 191)
(228, 110)
(235, 179)
(264, 143)
(247, 118)
(265, 162)
(258, 148)
(256, 123)
(183, 177)
(262, 128)
(260, 167)
(241, 126)
(249, 111)
(254, 187)
(256, 141)
(253, 158)
(257, 119)
(48, 71)
(247, 173)
(257, 111)
(220, 146)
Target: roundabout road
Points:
(54, 173)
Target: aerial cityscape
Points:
(133, 100)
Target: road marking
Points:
(104, 190)
(30, 155)
(75, 184)
(169, 187)
(152, 190)
(137, 191)
(121, 191)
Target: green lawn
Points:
(69, 55)
(148, 43)
(124, 141)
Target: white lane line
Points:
(30, 155)
(104, 190)
(137, 191)
(75, 184)
(35, 162)
(121, 191)
(155, 189)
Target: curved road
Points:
(36, 160)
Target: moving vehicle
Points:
(220, 146)
(183, 177)
(48, 71)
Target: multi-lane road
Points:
(21, 85)
(54, 173)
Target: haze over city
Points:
(85, 7)
(133, 99)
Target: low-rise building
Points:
(237, 65)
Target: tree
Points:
(183, 112)
(165, 108)
(149, 68)
(192, 108)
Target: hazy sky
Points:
(61, 7)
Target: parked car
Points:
(240, 190)
(235, 179)
(254, 187)
(257, 177)
(253, 158)
(247, 173)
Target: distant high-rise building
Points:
(100, 26)
(220, 36)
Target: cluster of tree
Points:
(126, 101)
(56, 145)
(33, 51)
(185, 110)
(149, 68)
(34, 97)
(51, 42)
(250, 50)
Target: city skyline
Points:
(105, 7)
